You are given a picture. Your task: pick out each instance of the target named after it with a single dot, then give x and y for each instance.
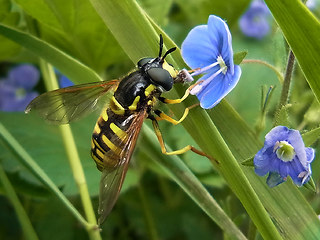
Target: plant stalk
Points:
(73, 156)
(287, 80)
(274, 69)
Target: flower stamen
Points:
(199, 87)
(284, 150)
(204, 69)
(222, 64)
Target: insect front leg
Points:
(179, 100)
(176, 152)
(163, 116)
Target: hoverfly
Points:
(116, 131)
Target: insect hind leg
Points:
(176, 152)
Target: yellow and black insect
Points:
(117, 129)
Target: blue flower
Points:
(312, 4)
(16, 90)
(65, 82)
(283, 155)
(208, 49)
(254, 22)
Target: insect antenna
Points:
(167, 53)
(161, 46)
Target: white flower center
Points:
(223, 69)
(284, 150)
(223, 66)
(220, 62)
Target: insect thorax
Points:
(136, 91)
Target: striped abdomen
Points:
(108, 138)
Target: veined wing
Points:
(64, 105)
(112, 178)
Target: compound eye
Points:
(161, 77)
(144, 61)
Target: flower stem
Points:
(73, 156)
(26, 225)
(287, 80)
(274, 69)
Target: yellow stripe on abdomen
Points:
(104, 115)
(97, 129)
(118, 131)
(110, 145)
(99, 153)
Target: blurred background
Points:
(150, 206)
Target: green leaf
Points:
(310, 185)
(281, 116)
(8, 48)
(75, 27)
(73, 69)
(311, 136)
(24, 220)
(301, 30)
(198, 11)
(138, 39)
(43, 143)
(157, 9)
(248, 162)
(5, 8)
(239, 56)
(180, 173)
(27, 161)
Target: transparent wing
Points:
(64, 105)
(112, 179)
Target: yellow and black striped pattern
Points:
(110, 132)
(108, 139)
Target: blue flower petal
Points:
(254, 22)
(65, 82)
(296, 170)
(310, 154)
(220, 37)
(284, 170)
(218, 88)
(267, 160)
(278, 133)
(197, 49)
(209, 48)
(295, 139)
(261, 164)
(257, 28)
(15, 104)
(297, 167)
(24, 76)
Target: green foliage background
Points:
(93, 40)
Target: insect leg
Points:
(163, 116)
(179, 100)
(180, 151)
